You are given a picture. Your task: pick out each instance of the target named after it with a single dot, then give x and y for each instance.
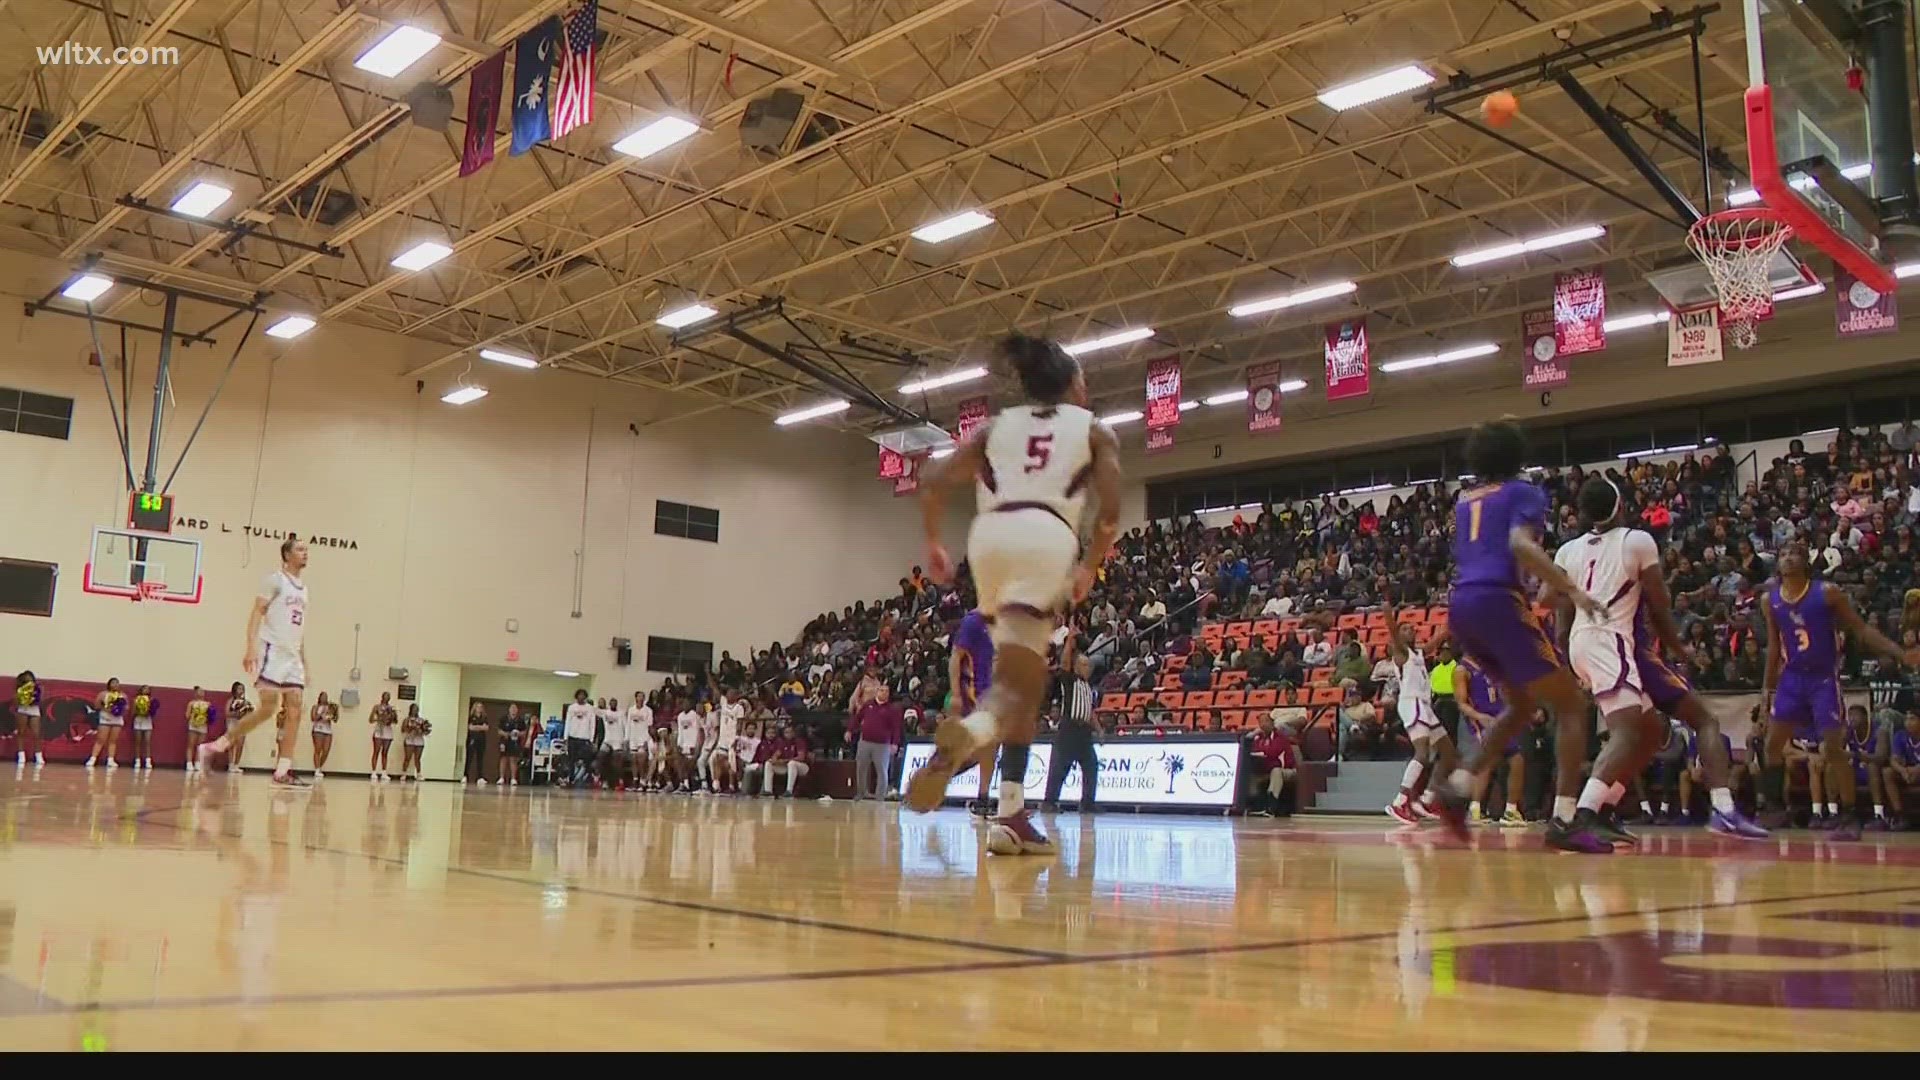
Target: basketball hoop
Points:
(149, 590)
(1737, 246)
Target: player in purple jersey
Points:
(1674, 696)
(1496, 532)
(1901, 773)
(970, 672)
(1805, 621)
(1479, 700)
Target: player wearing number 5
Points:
(276, 658)
(1805, 620)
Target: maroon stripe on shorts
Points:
(1008, 507)
(1027, 609)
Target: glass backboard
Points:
(122, 561)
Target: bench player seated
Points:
(1901, 773)
(783, 754)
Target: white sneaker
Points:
(318, 775)
(20, 758)
(515, 782)
(233, 768)
(113, 763)
(464, 781)
(39, 758)
(89, 763)
(483, 781)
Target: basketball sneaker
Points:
(1736, 824)
(1513, 819)
(1401, 814)
(1015, 834)
(1845, 827)
(1422, 809)
(953, 746)
(288, 781)
(1606, 825)
(1578, 835)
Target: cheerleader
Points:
(413, 737)
(111, 704)
(143, 705)
(321, 718)
(237, 707)
(383, 718)
(26, 716)
(199, 713)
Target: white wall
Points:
(447, 521)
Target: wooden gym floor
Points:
(150, 912)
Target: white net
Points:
(1738, 247)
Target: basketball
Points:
(1499, 108)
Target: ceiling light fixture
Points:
(1811, 288)
(396, 52)
(657, 136)
(951, 378)
(1448, 357)
(1292, 299)
(464, 395)
(290, 327)
(509, 359)
(1634, 321)
(1521, 247)
(1123, 337)
(1374, 87)
(87, 288)
(685, 315)
(1128, 417)
(566, 674)
(422, 255)
(956, 225)
(813, 412)
(201, 199)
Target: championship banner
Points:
(1163, 394)
(1541, 364)
(893, 464)
(909, 479)
(1693, 336)
(1860, 310)
(1579, 312)
(1159, 440)
(1349, 365)
(973, 413)
(1263, 399)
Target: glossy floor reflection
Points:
(145, 912)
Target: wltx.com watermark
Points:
(74, 54)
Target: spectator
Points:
(879, 725)
(513, 734)
(1272, 765)
(1350, 665)
(582, 735)
(479, 733)
(1361, 730)
(1318, 653)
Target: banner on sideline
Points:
(1263, 399)
(1541, 363)
(1693, 336)
(1349, 365)
(1579, 311)
(1135, 772)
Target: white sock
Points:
(981, 725)
(1409, 777)
(1563, 808)
(1879, 811)
(1833, 809)
(1013, 798)
(284, 767)
(1594, 795)
(1473, 808)
(1615, 794)
(1646, 807)
(1722, 800)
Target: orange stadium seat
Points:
(1271, 642)
(1262, 699)
(1175, 663)
(1320, 676)
(1289, 625)
(1239, 631)
(1229, 699)
(1135, 701)
(1112, 703)
(1211, 633)
(1437, 616)
(1264, 627)
(1198, 699)
(1169, 681)
(1326, 695)
(1413, 615)
(1233, 720)
(1379, 635)
(1351, 622)
(1227, 680)
(1171, 698)
(1376, 620)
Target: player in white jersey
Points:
(1033, 465)
(1431, 746)
(276, 658)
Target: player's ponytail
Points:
(1045, 370)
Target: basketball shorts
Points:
(1497, 629)
(1604, 661)
(1023, 564)
(143, 723)
(281, 667)
(1811, 706)
(1418, 718)
(322, 728)
(1665, 687)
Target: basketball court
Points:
(294, 284)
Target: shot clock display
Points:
(150, 512)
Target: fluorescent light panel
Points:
(1227, 398)
(1128, 417)
(945, 451)
(396, 52)
(464, 395)
(813, 413)
(1292, 299)
(566, 674)
(422, 255)
(1521, 247)
(951, 378)
(201, 199)
(290, 327)
(1374, 87)
(949, 227)
(87, 288)
(1123, 337)
(509, 359)
(1907, 270)
(656, 136)
(1635, 321)
(1448, 357)
(1813, 288)
(685, 315)
(1189, 406)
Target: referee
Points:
(1073, 742)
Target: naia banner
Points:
(1163, 393)
(1159, 440)
(1541, 364)
(893, 464)
(1263, 399)
(1693, 336)
(1860, 309)
(973, 413)
(1579, 312)
(1349, 367)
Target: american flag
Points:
(573, 94)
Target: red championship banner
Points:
(1349, 365)
(973, 413)
(1541, 364)
(1159, 440)
(1860, 310)
(1263, 399)
(1579, 312)
(893, 464)
(1693, 336)
(909, 480)
(1163, 393)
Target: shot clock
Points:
(150, 511)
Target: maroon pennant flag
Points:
(973, 414)
(1541, 364)
(1349, 366)
(1163, 394)
(892, 464)
(909, 481)
(1263, 399)
(1579, 312)
(1859, 309)
(483, 112)
(1159, 440)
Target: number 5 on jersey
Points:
(1039, 452)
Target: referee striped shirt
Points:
(1076, 702)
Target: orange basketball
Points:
(1499, 108)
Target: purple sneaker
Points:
(1877, 824)
(1579, 835)
(1736, 824)
(1845, 828)
(1821, 823)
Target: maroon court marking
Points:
(1906, 920)
(1662, 843)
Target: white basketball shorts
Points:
(1604, 661)
(281, 667)
(1023, 564)
(1416, 715)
